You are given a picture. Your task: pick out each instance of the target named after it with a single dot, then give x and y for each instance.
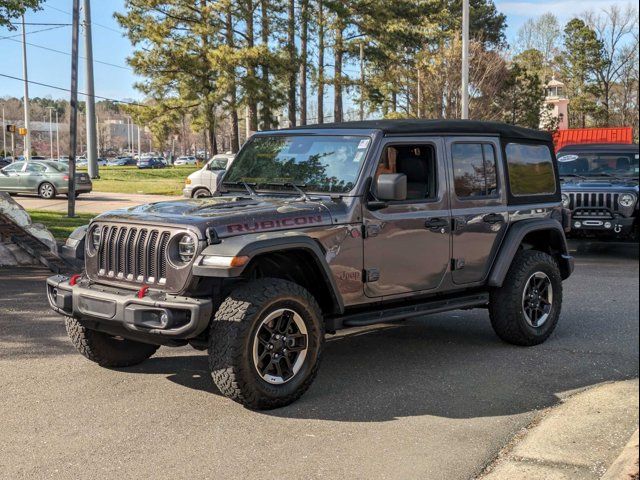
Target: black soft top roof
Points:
(600, 147)
(399, 127)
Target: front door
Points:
(407, 243)
(478, 205)
(10, 177)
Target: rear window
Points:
(530, 169)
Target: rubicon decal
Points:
(273, 224)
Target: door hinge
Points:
(371, 275)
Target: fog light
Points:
(54, 294)
(607, 225)
(577, 224)
(164, 320)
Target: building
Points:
(556, 105)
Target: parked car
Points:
(324, 228)
(102, 162)
(206, 181)
(44, 178)
(4, 162)
(185, 161)
(600, 186)
(151, 162)
(121, 162)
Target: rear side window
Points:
(530, 169)
(474, 170)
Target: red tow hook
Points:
(74, 279)
(143, 291)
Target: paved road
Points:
(94, 202)
(431, 399)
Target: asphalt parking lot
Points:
(434, 398)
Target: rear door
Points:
(32, 176)
(478, 205)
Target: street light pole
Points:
(4, 135)
(27, 126)
(465, 59)
(92, 154)
(73, 117)
(50, 132)
(57, 136)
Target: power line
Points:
(68, 54)
(8, 37)
(92, 23)
(68, 90)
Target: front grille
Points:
(594, 200)
(133, 254)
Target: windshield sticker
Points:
(568, 158)
(358, 156)
(364, 143)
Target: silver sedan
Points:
(44, 178)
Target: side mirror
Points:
(391, 187)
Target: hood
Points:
(229, 215)
(597, 184)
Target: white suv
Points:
(205, 182)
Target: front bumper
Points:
(187, 192)
(156, 314)
(594, 225)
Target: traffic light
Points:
(11, 128)
(22, 131)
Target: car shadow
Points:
(605, 250)
(447, 366)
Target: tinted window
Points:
(474, 170)
(530, 169)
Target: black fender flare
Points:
(257, 244)
(516, 234)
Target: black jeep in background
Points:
(600, 186)
(323, 228)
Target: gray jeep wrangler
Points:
(319, 229)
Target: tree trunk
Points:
(266, 119)
(338, 53)
(304, 37)
(252, 103)
(320, 62)
(291, 46)
(232, 93)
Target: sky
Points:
(110, 46)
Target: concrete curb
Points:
(580, 438)
(626, 465)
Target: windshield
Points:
(218, 164)
(599, 163)
(319, 163)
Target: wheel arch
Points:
(546, 235)
(295, 257)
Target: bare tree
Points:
(617, 30)
(542, 34)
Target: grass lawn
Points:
(58, 223)
(162, 181)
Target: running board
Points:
(416, 310)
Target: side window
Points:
(35, 168)
(474, 170)
(14, 167)
(530, 169)
(418, 163)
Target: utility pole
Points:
(73, 117)
(98, 136)
(92, 152)
(4, 135)
(139, 146)
(50, 133)
(27, 126)
(362, 80)
(57, 136)
(465, 59)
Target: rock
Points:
(12, 255)
(14, 211)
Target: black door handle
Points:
(436, 223)
(493, 218)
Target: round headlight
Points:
(566, 200)
(96, 234)
(186, 248)
(627, 200)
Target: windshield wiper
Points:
(247, 186)
(297, 188)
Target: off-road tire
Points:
(231, 341)
(201, 193)
(106, 350)
(47, 191)
(505, 306)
